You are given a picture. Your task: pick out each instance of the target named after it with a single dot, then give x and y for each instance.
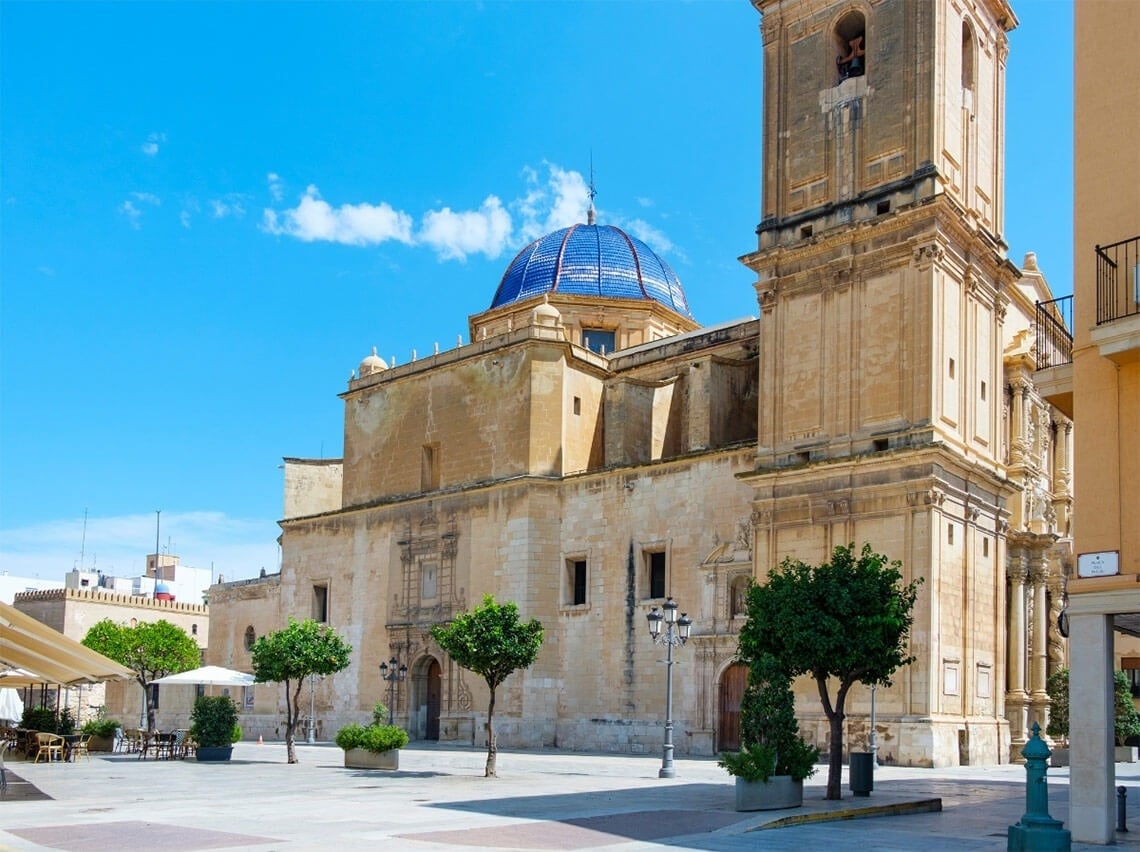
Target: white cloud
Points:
(132, 213)
(232, 204)
(558, 200)
(184, 218)
(456, 235)
(649, 235)
(275, 187)
(315, 220)
(151, 145)
(132, 210)
(46, 271)
(645, 202)
(234, 547)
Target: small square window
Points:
(321, 602)
(576, 577)
(429, 581)
(429, 468)
(882, 207)
(805, 232)
(598, 340)
(655, 573)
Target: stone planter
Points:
(101, 744)
(359, 758)
(779, 791)
(1121, 754)
(213, 754)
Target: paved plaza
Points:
(543, 800)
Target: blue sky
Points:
(212, 211)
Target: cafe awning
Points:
(41, 651)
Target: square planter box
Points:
(1122, 754)
(359, 758)
(779, 791)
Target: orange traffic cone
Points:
(259, 740)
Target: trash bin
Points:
(862, 774)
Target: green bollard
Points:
(1036, 831)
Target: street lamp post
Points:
(392, 672)
(676, 633)
(311, 739)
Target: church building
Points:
(592, 450)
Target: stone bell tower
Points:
(880, 274)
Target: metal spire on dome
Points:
(591, 213)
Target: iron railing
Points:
(1054, 323)
(1117, 280)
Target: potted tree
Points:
(214, 727)
(773, 761)
(102, 733)
(375, 746)
(1127, 721)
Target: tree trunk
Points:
(150, 711)
(835, 727)
(490, 771)
(291, 717)
(835, 757)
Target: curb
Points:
(920, 806)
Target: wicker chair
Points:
(48, 746)
(80, 748)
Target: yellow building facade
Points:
(1103, 380)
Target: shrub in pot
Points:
(102, 733)
(374, 746)
(773, 761)
(214, 727)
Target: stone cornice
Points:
(111, 599)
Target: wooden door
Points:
(732, 684)
(434, 693)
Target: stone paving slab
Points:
(116, 836)
(439, 800)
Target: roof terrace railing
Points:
(1054, 321)
(1117, 280)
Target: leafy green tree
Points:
(847, 619)
(289, 656)
(1127, 720)
(151, 650)
(492, 642)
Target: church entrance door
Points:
(732, 684)
(434, 692)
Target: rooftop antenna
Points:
(83, 542)
(591, 213)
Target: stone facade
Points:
(73, 612)
(885, 395)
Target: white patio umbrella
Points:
(11, 707)
(209, 676)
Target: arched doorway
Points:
(731, 691)
(434, 693)
(426, 693)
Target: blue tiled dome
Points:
(591, 260)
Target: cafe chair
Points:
(49, 746)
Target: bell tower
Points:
(881, 275)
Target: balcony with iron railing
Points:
(1117, 331)
(1117, 281)
(1053, 322)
